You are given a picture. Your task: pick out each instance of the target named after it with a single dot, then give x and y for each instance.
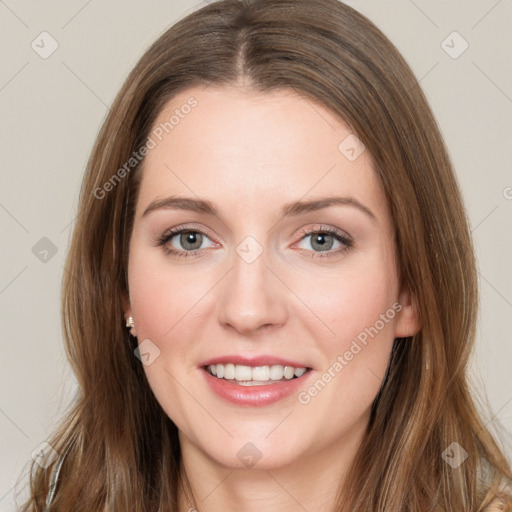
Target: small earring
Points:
(129, 322)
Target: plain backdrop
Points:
(52, 108)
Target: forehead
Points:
(254, 151)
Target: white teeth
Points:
(261, 373)
(289, 372)
(243, 373)
(299, 372)
(229, 371)
(276, 372)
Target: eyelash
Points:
(338, 235)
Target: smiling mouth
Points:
(255, 375)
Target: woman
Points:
(309, 350)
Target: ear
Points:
(407, 322)
(127, 312)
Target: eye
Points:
(324, 238)
(189, 241)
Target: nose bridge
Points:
(252, 295)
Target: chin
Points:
(255, 452)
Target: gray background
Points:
(51, 110)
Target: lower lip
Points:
(254, 395)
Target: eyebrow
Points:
(289, 210)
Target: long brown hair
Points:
(122, 450)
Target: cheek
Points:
(359, 307)
(353, 299)
(161, 295)
(356, 358)
(164, 302)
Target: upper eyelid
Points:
(181, 229)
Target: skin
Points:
(250, 153)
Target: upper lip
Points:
(263, 360)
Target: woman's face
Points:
(271, 274)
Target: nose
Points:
(252, 297)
